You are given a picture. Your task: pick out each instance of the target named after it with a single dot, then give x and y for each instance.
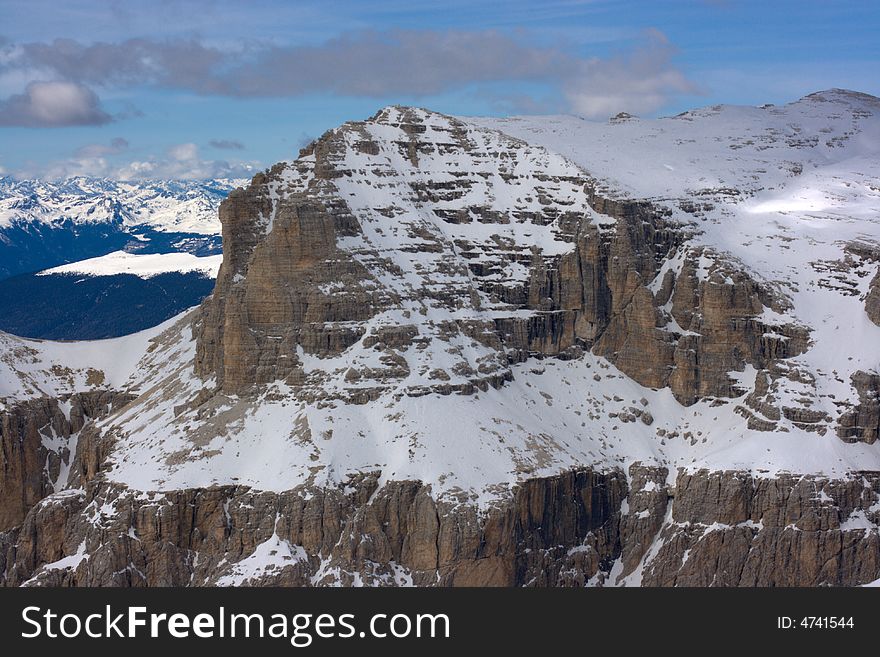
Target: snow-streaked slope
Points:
(142, 265)
(553, 416)
(783, 190)
(170, 206)
(34, 368)
(718, 149)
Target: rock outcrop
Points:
(862, 423)
(39, 440)
(730, 529)
(872, 301)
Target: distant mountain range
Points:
(46, 225)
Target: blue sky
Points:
(175, 88)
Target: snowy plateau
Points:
(486, 351)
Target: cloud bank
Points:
(179, 162)
(640, 82)
(505, 70)
(412, 63)
(184, 161)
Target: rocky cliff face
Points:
(532, 260)
(462, 352)
(574, 529)
(361, 534)
(728, 529)
(39, 440)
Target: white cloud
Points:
(181, 161)
(87, 160)
(53, 104)
(184, 152)
(116, 145)
(184, 167)
(639, 83)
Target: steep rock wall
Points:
(36, 448)
(580, 527)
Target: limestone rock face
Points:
(696, 329)
(38, 441)
(560, 530)
(647, 505)
(730, 529)
(872, 301)
(417, 218)
(300, 290)
(862, 423)
(580, 527)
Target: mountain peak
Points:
(845, 96)
(409, 270)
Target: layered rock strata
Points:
(554, 267)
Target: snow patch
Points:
(143, 265)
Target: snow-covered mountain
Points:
(121, 255)
(142, 265)
(530, 351)
(44, 223)
(171, 206)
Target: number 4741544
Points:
(815, 622)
